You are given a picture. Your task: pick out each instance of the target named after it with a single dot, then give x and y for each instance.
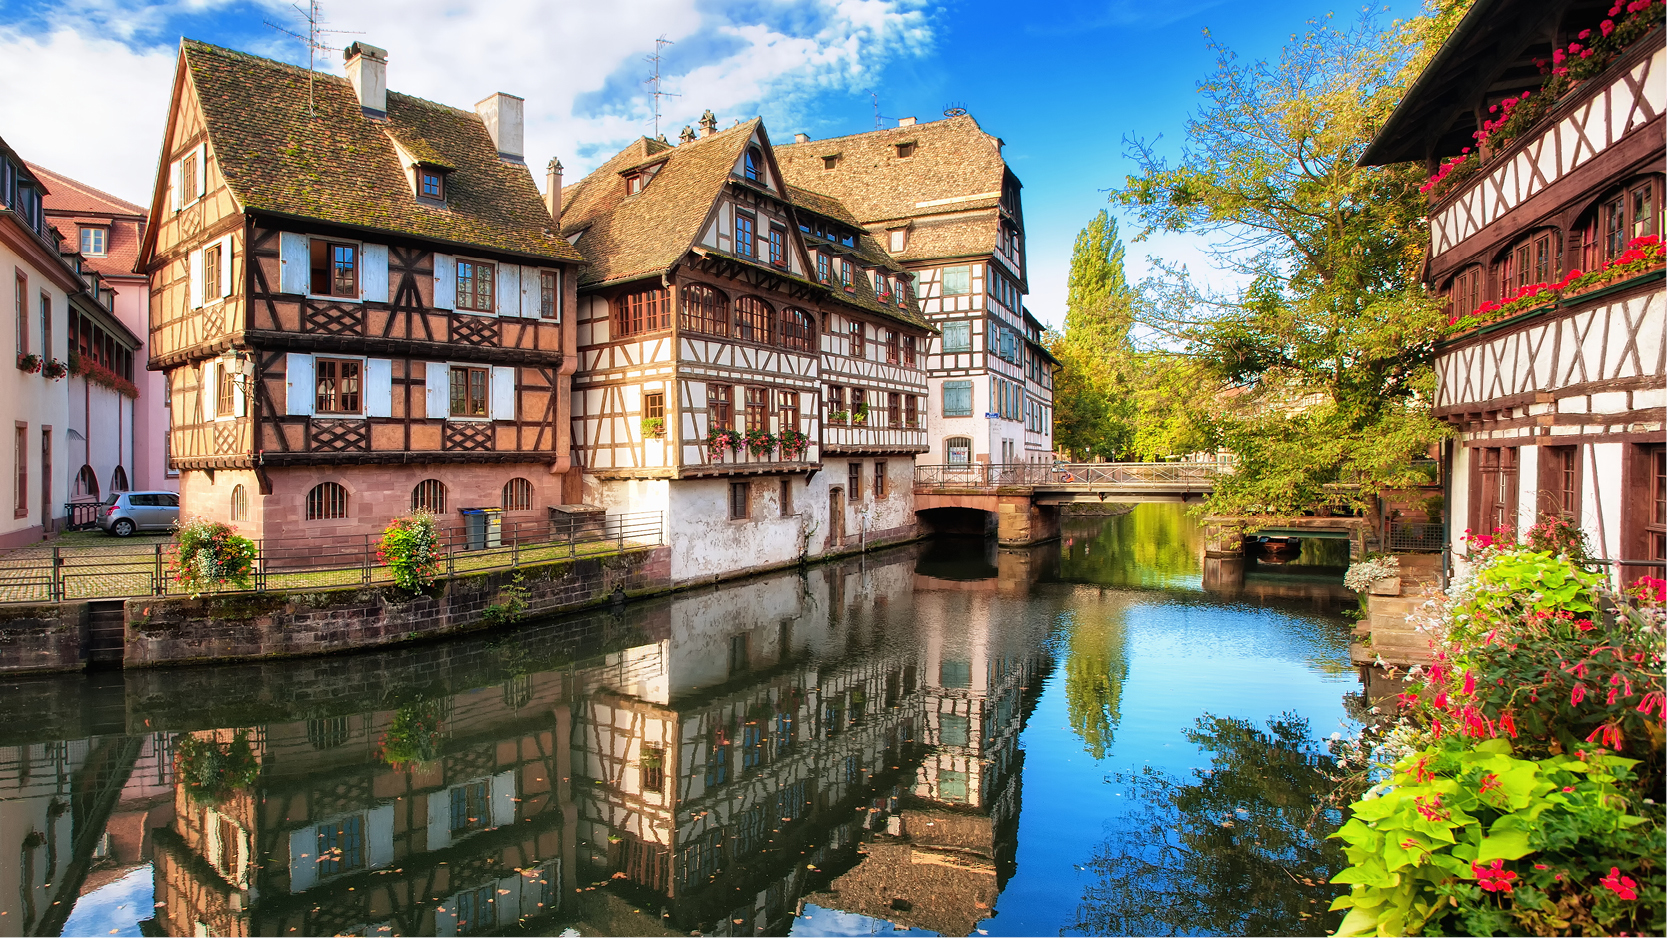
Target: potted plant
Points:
(211, 771)
(886, 298)
(653, 427)
(838, 416)
(29, 364)
(719, 440)
(793, 444)
(859, 416)
(209, 554)
(411, 549)
(760, 443)
(1379, 576)
(54, 369)
(413, 736)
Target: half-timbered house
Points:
(702, 330)
(1552, 378)
(358, 299)
(941, 200)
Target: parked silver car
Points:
(127, 512)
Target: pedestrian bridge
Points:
(1024, 498)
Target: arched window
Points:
(429, 496)
(1536, 257)
(86, 483)
(118, 480)
(518, 495)
(796, 329)
(640, 312)
(326, 501)
(754, 164)
(958, 451)
(752, 319)
(1624, 213)
(240, 503)
(705, 310)
(1464, 291)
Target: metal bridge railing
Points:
(1108, 474)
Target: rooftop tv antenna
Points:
(954, 110)
(654, 79)
(877, 117)
(314, 18)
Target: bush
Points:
(1362, 574)
(211, 771)
(209, 555)
(411, 549)
(413, 737)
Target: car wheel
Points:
(123, 527)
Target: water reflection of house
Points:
(334, 840)
(723, 770)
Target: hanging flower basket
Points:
(411, 549)
(209, 555)
(29, 364)
(719, 441)
(653, 427)
(760, 443)
(54, 369)
(212, 771)
(413, 737)
(793, 444)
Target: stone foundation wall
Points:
(47, 637)
(251, 626)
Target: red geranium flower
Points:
(1494, 877)
(1622, 886)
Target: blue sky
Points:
(85, 84)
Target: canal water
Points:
(1105, 734)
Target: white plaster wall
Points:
(1601, 481)
(1528, 488)
(939, 428)
(32, 399)
(705, 543)
(104, 422)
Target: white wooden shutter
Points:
(503, 799)
(195, 274)
(439, 819)
(503, 392)
(508, 297)
(445, 281)
(438, 390)
(298, 385)
(373, 274)
(530, 292)
(211, 390)
(379, 835)
(173, 185)
(202, 170)
(303, 865)
(294, 275)
(240, 405)
(226, 266)
(379, 387)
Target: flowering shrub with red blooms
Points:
(100, 375)
(1640, 255)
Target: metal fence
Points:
(1200, 474)
(1417, 537)
(128, 568)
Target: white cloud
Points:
(96, 110)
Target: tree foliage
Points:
(1329, 344)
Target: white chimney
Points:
(905, 122)
(552, 189)
(367, 72)
(505, 119)
(801, 138)
(708, 124)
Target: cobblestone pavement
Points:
(95, 565)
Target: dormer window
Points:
(95, 241)
(905, 150)
(635, 182)
(753, 165)
(431, 183)
(830, 162)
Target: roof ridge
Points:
(886, 130)
(266, 60)
(90, 190)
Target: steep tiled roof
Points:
(72, 203)
(71, 195)
(636, 235)
(955, 167)
(340, 166)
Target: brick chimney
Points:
(504, 116)
(905, 122)
(801, 138)
(708, 124)
(552, 189)
(367, 72)
(687, 136)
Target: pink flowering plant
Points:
(719, 441)
(1641, 255)
(1524, 791)
(411, 550)
(210, 555)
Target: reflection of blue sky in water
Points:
(116, 908)
(818, 921)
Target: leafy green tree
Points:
(1096, 665)
(1091, 393)
(1330, 343)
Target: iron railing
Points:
(1073, 475)
(1417, 536)
(81, 515)
(125, 568)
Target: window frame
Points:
(513, 497)
(746, 246)
(778, 245)
(853, 482)
(795, 329)
(856, 339)
(337, 508)
(485, 371)
(753, 319)
(880, 488)
(330, 246)
(740, 501)
(337, 380)
(966, 386)
(756, 408)
(717, 404)
(429, 495)
(640, 312)
(943, 280)
(475, 295)
(426, 173)
(101, 234)
(225, 388)
(962, 328)
(549, 295)
(703, 308)
(752, 165)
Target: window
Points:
(95, 241)
(880, 479)
(1560, 482)
(909, 356)
(654, 405)
(326, 501)
(433, 184)
(338, 386)
(1494, 489)
(737, 501)
(957, 336)
(86, 483)
(952, 785)
(787, 410)
(240, 498)
(746, 229)
(957, 398)
(1655, 528)
(897, 240)
(640, 312)
(859, 405)
(1465, 294)
(211, 272)
(653, 768)
(752, 319)
(786, 498)
(753, 164)
(477, 909)
(46, 325)
(796, 330)
(718, 406)
(20, 457)
(778, 246)
(549, 294)
(853, 481)
(328, 732)
(952, 729)
(704, 310)
(758, 409)
(1530, 261)
(905, 150)
(188, 180)
(341, 845)
(822, 272)
(835, 401)
(224, 387)
(845, 276)
(518, 495)
(468, 392)
(894, 409)
(118, 483)
(911, 411)
(859, 341)
(635, 183)
(830, 162)
(475, 283)
(957, 281)
(958, 451)
(429, 495)
(335, 269)
(22, 287)
(1633, 211)
(894, 346)
(470, 807)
